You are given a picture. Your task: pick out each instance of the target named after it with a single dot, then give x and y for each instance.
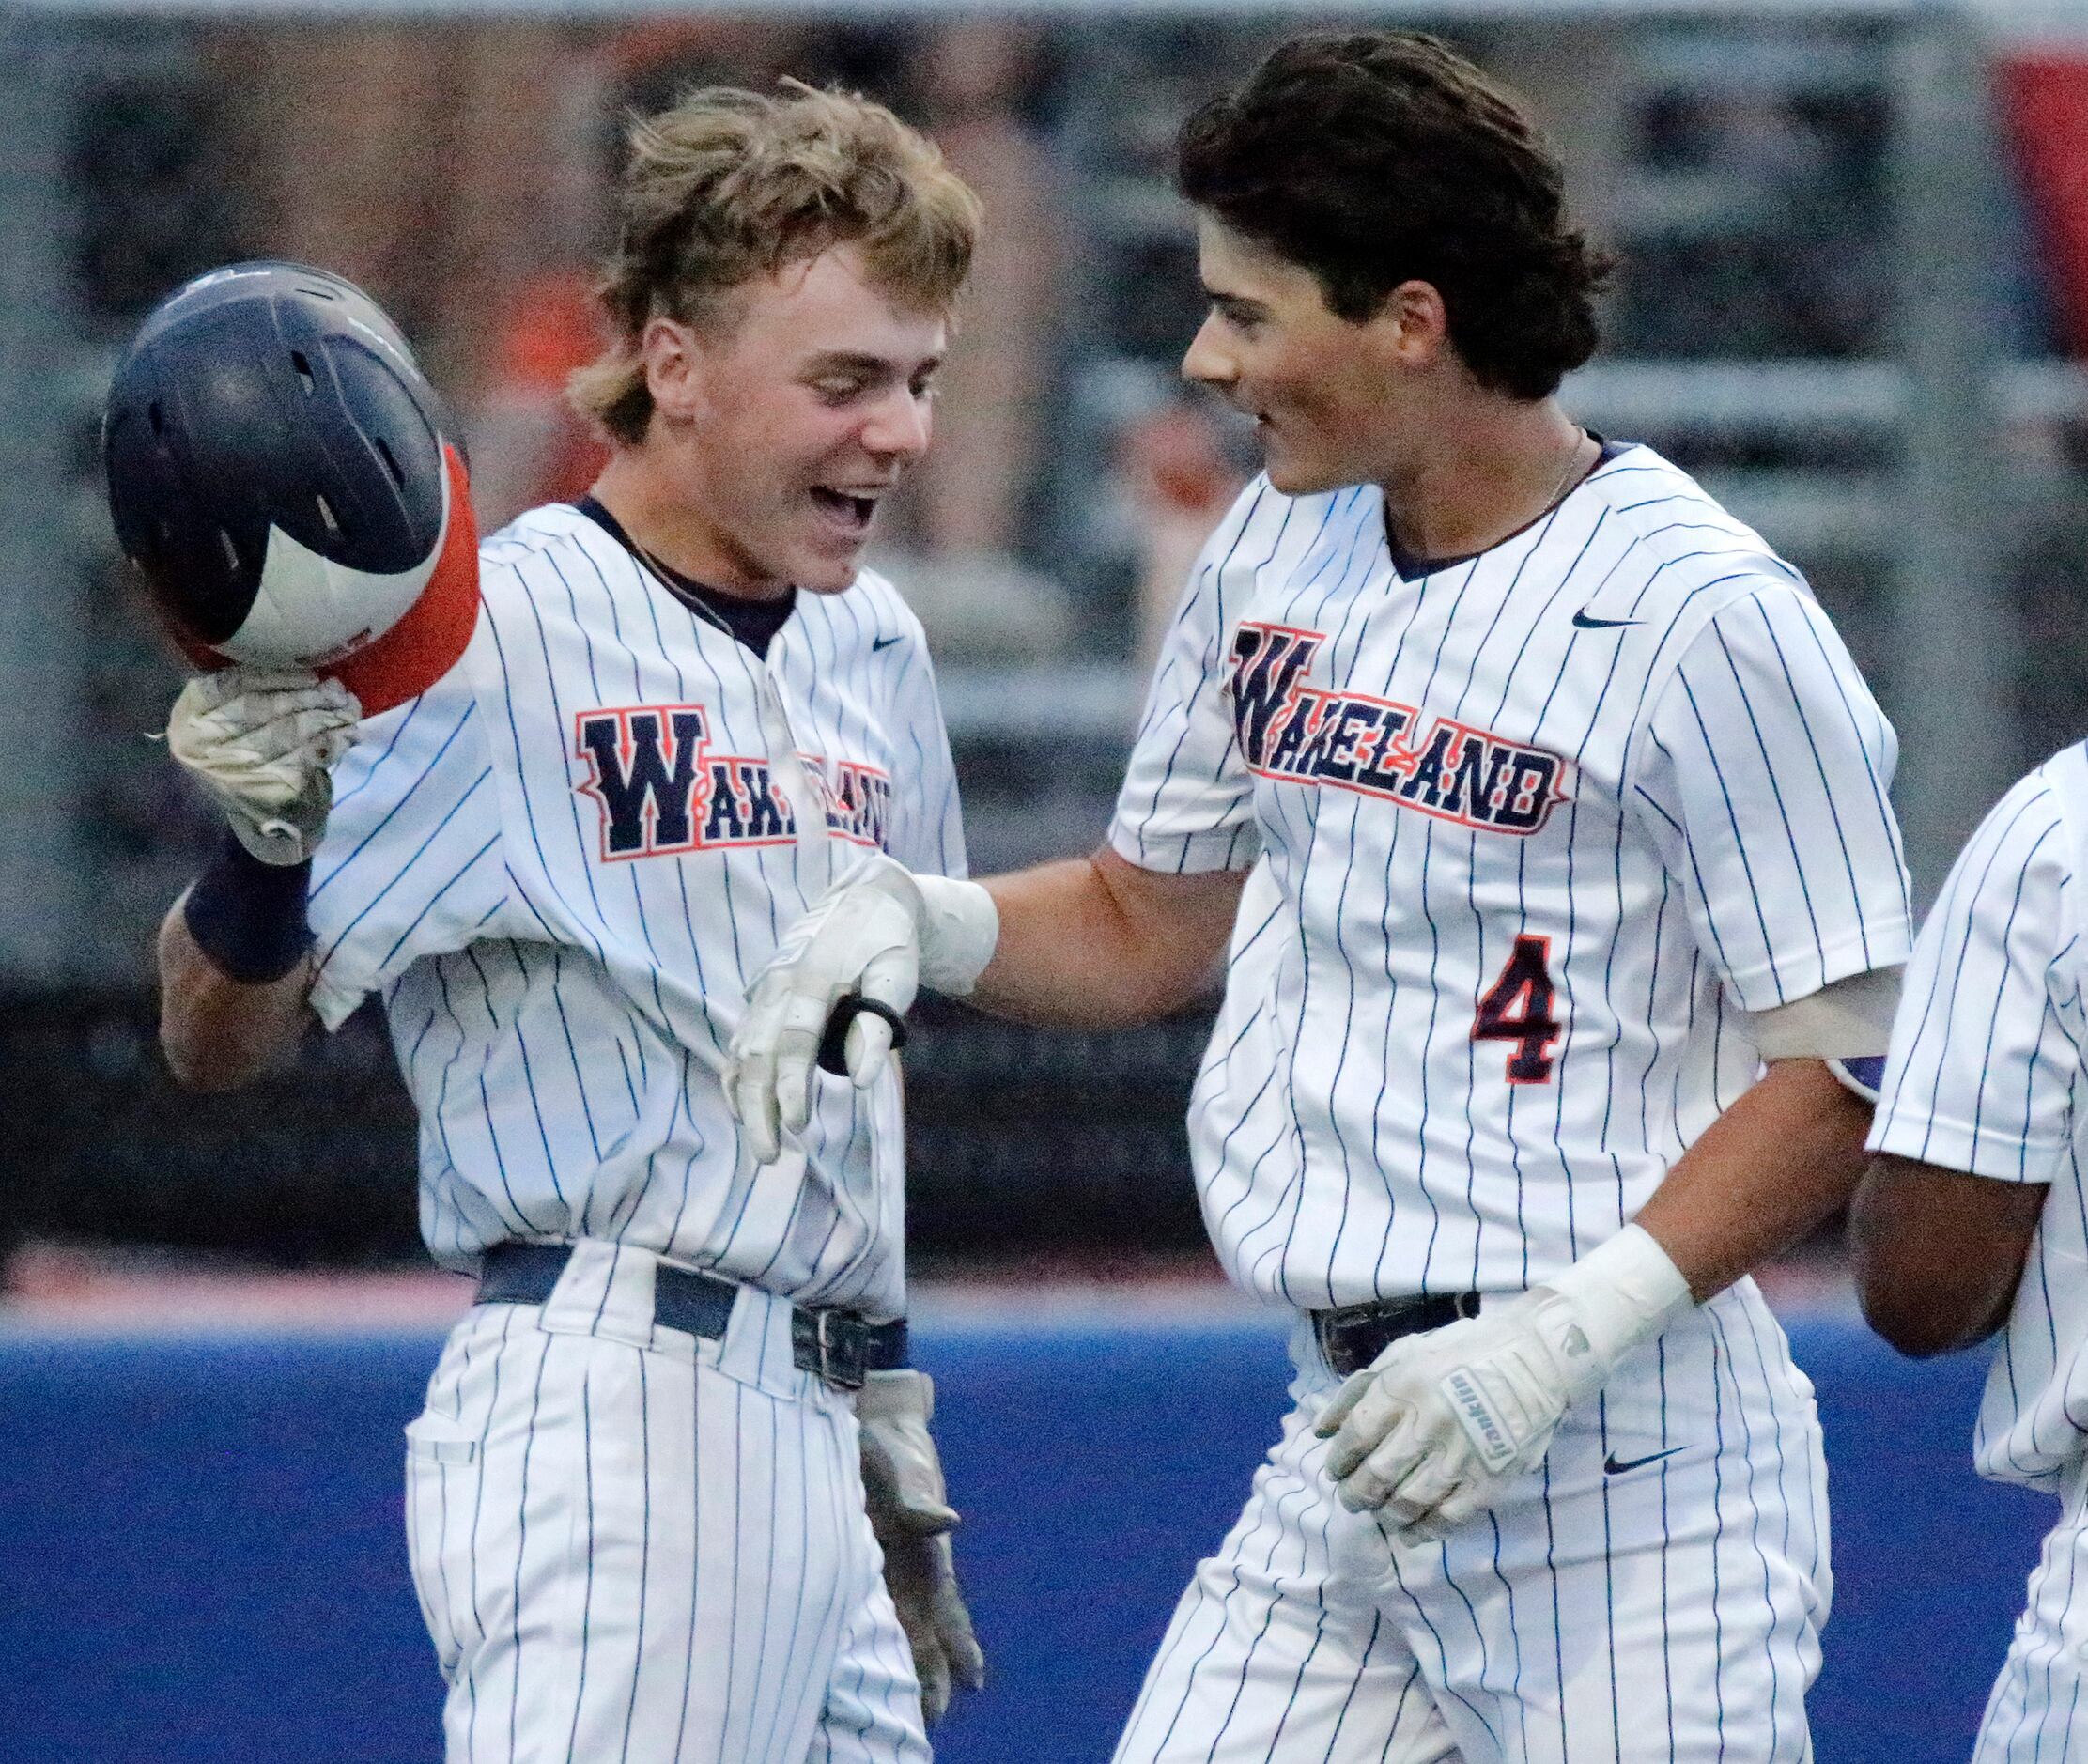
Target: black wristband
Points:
(248, 916)
(833, 1044)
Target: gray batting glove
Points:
(912, 1518)
(878, 933)
(1433, 1430)
(260, 742)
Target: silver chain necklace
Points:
(1572, 461)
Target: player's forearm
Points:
(1763, 1177)
(218, 1032)
(1096, 943)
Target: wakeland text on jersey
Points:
(1312, 735)
(662, 790)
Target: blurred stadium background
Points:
(1854, 298)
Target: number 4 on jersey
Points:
(1518, 1008)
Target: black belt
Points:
(838, 1346)
(1355, 1335)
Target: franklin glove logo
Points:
(1476, 1414)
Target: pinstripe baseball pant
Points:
(1654, 1591)
(631, 1543)
(2035, 1710)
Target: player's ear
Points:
(1412, 326)
(672, 354)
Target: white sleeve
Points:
(1762, 776)
(1187, 801)
(1981, 1073)
(411, 864)
(927, 824)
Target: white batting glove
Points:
(912, 1518)
(1433, 1428)
(260, 742)
(877, 934)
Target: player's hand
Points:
(912, 1518)
(876, 936)
(861, 939)
(1432, 1428)
(260, 742)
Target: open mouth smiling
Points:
(851, 509)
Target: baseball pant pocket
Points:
(440, 1456)
(872, 1712)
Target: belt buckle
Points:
(839, 1350)
(1353, 1335)
(1338, 1331)
(1326, 1333)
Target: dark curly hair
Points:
(1375, 158)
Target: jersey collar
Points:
(1412, 568)
(754, 623)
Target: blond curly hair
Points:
(729, 186)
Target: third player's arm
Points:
(1762, 1176)
(1100, 943)
(1938, 1254)
(1975, 1118)
(218, 1032)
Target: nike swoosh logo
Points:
(881, 642)
(1610, 1466)
(1581, 622)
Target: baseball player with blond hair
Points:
(1535, 808)
(636, 1500)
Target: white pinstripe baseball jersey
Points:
(1529, 833)
(558, 869)
(1528, 830)
(561, 866)
(1987, 1076)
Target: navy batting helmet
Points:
(278, 469)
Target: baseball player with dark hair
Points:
(1535, 807)
(1973, 1218)
(634, 1505)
